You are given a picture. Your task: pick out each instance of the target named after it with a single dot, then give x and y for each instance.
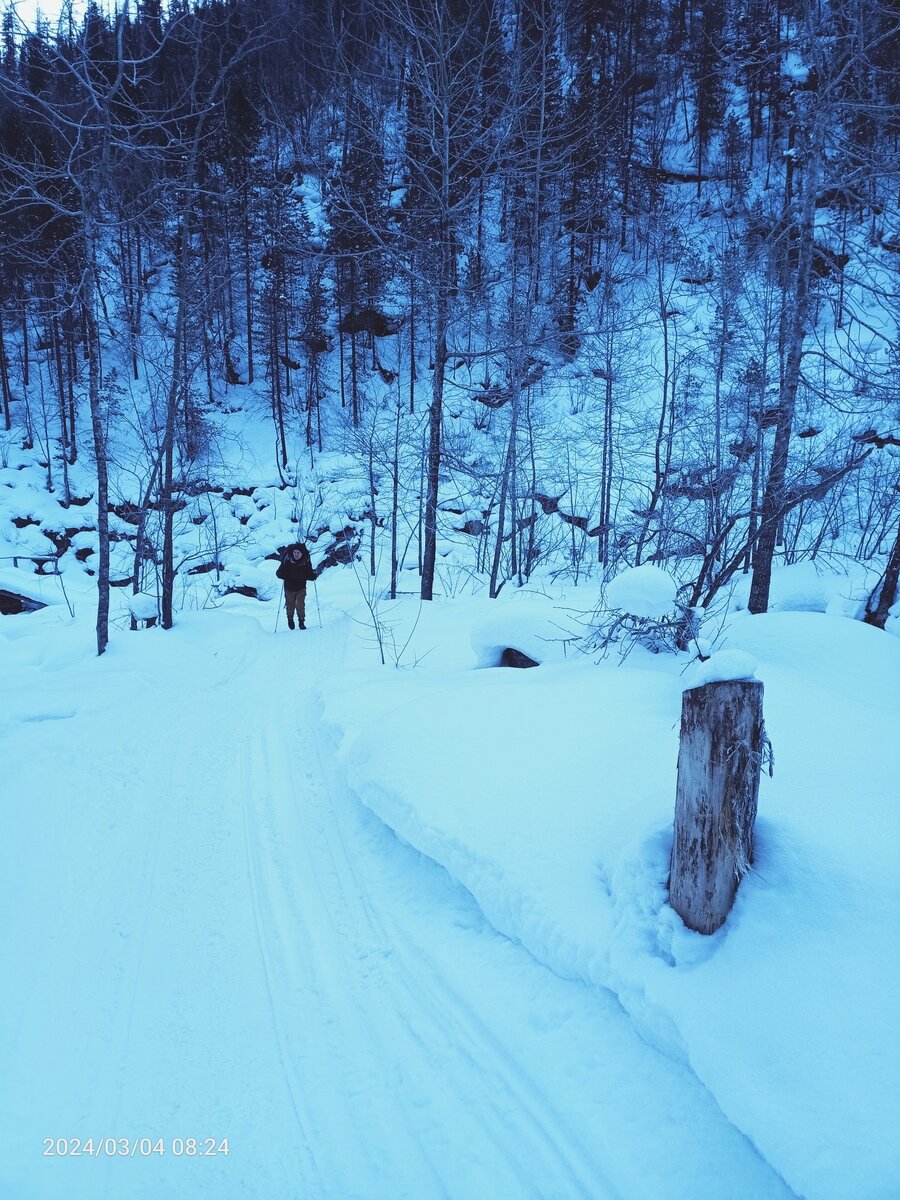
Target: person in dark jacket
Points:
(296, 571)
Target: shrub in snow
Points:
(642, 608)
(643, 592)
(143, 606)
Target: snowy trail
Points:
(226, 944)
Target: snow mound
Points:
(536, 627)
(28, 542)
(645, 591)
(722, 666)
(143, 607)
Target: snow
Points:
(645, 591)
(812, 586)
(534, 625)
(29, 541)
(143, 606)
(404, 932)
(237, 573)
(555, 809)
(213, 938)
(724, 665)
(794, 68)
(470, 983)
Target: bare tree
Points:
(826, 105)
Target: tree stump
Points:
(719, 762)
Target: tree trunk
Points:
(435, 413)
(64, 441)
(797, 303)
(71, 369)
(168, 448)
(606, 455)
(505, 480)
(141, 534)
(877, 610)
(719, 761)
(339, 298)
(25, 358)
(412, 343)
(99, 434)
(373, 516)
(248, 285)
(660, 459)
(4, 379)
(395, 494)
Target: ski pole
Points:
(318, 610)
(277, 613)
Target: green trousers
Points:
(295, 602)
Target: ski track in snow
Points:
(251, 954)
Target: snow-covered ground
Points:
(469, 985)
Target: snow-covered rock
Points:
(533, 626)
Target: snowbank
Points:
(815, 587)
(550, 796)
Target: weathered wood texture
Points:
(719, 762)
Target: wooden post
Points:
(719, 762)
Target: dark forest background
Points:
(589, 283)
